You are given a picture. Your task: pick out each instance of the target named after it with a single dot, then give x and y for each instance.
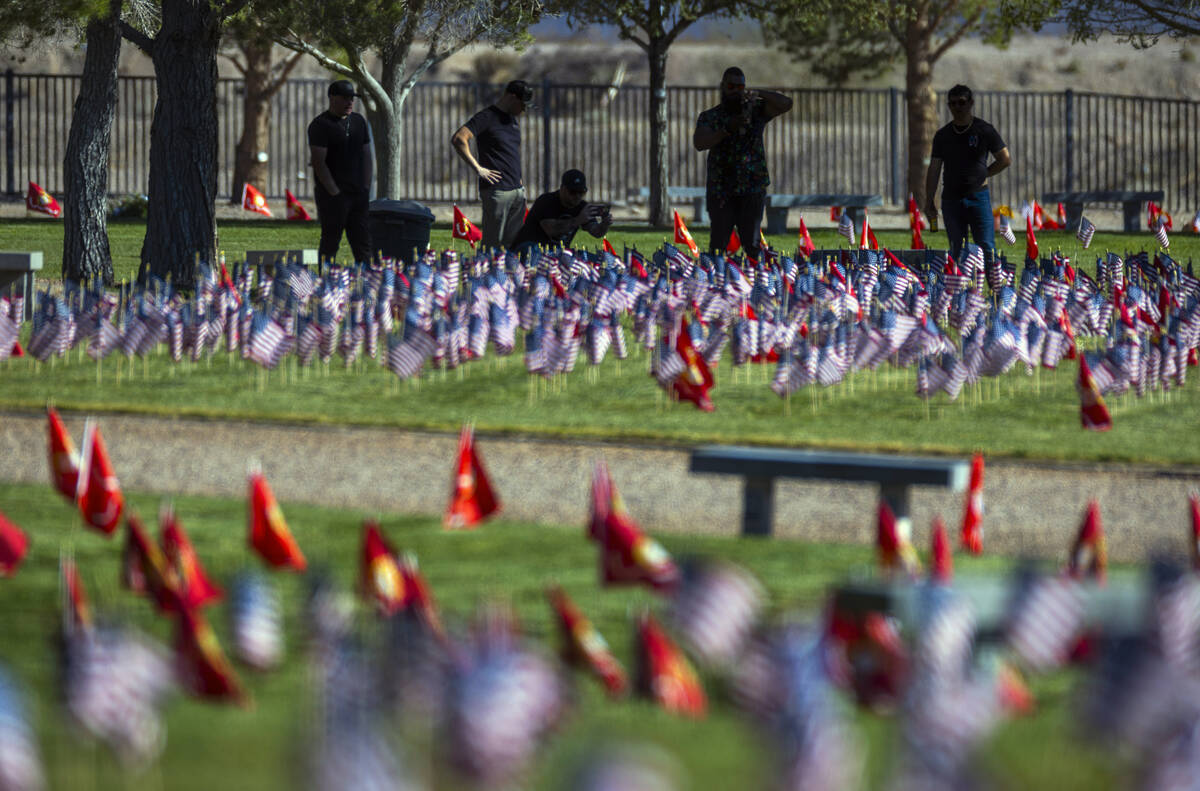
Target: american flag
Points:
(1160, 233)
(1006, 230)
(1044, 621)
(715, 608)
(20, 763)
(1086, 231)
(266, 341)
(846, 228)
(406, 357)
(255, 621)
(9, 331)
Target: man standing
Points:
(963, 147)
(556, 216)
(497, 135)
(732, 134)
(340, 143)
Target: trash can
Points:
(399, 227)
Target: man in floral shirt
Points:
(732, 134)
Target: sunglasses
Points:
(958, 102)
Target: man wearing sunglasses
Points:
(962, 148)
(556, 216)
(732, 134)
(340, 145)
(497, 134)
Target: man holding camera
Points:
(556, 216)
(732, 134)
(340, 144)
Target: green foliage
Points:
(212, 746)
(865, 37)
(1138, 22)
(24, 21)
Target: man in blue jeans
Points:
(963, 147)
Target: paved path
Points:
(1031, 509)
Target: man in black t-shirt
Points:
(497, 135)
(962, 148)
(556, 216)
(341, 158)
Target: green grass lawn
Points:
(220, 747)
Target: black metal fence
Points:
(832, 141)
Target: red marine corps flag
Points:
(806, 243)
(195, 588)
(1093, 413)
(972, 523)
(664, 674)
(64, 459)
(684, 236)
(381, 579)
(99, 493)
(13, 546)
(37, 199)
(253, 200)
(1089, 556)
(295, 209)
(269, 534)
(463, 229)
(583, 646)
(471, 499)
(627, 555)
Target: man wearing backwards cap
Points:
(556, 216)
(341, 158)
(497, 135)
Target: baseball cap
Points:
(574, 180)
(343, 88)
(521, 89)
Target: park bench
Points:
(17, 277)
(1131, 203)
(695, 194)
(270, 258)
(759, 467)
(778, 205)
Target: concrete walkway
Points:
(1031, 509)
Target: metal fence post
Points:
(894, 140)
(10, 144)
(547, 170)
(1069, 143)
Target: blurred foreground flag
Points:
(195, 588)
(972, 524)
(37, 199)
(269, 534)
(253, 200)
(202, 667)
(380, 577)
(64, 459)
(295, 209)
(20, 764)
(1194, 507)
(255, 621)
(1089, 556)
(13, 546)
(941, 563)
(471, 499)
(583, 646)
(144, 568)
(664, 674)
(627, 555)
(99, 493)
(894, 542)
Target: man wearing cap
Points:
(732, 134)
(341, 158)
(497, 135)
(556, 216)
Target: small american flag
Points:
(846, 228)
(1086, 231)
(405, 358)
(20, 764)
(266, 342)
(1006, 230)
(1160, 233)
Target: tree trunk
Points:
(385, 127)
(85, 210)
(256, 119)
(921, 103)
(660, 204)
(181, 223)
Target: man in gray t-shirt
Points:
(497, 134)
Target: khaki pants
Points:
(503, 215)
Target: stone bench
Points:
(1131, 204)
(759, 467)
(17, 277)
(778, 205)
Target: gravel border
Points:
(1032, 509)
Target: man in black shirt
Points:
(962, 147)
(556, 216)
(341, 158)
(497, 135)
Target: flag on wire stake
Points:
(684, 237)
(38, 200)
(253, 200)
(1086, 231)
(295, 209)
(471, 497)
(464, 229)
(269, 533)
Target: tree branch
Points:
(1177, 22)
(296, 44)
(137, 38)
(237, 64)
(285, 71)
(967, 26)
